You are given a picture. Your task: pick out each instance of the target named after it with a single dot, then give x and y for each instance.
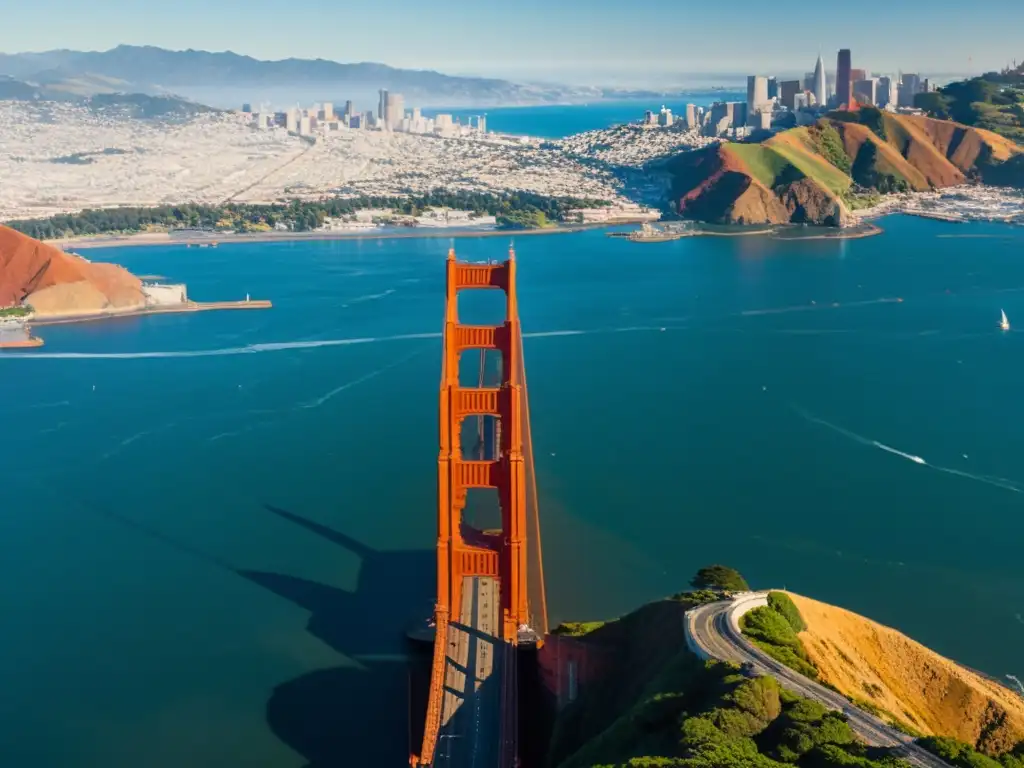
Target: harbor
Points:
(15, 334)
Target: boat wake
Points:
(289, 345)
(994, 481)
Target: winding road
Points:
(713, 632)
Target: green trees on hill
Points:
(962, 755)
(993, 101)
(697, 715)
(719, 577)
(774, 628)
(523, 209)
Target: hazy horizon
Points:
(653, 45)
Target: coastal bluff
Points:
(58, 284)
(641, 696)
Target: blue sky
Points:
(597, 41)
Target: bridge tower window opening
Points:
(481, 517)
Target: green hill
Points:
(994, 102)
(816, 174)
(657, 704)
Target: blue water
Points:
(170, 599)
(555, 122)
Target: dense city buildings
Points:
(844, 83)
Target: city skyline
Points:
(631, 46)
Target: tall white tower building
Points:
(820, 87)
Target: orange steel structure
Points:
(461, 550)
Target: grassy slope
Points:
(890, 671)
(868, 155)
(761, 161)
(795, 146)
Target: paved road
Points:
(714, 629)
(471, 714)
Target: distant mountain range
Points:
(228, 79)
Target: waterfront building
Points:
(844, 82)
(819, 84)
(649, 118)
(788, 90)
(481, 124)
(665, 117)
(691, 116)
(865, 91)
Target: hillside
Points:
(55, 283)
(994, 101)
(931, 694)
(657, 704)
(815, 174)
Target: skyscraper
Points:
(789, 89)
(757, 92)
(395, 110)
(844, 84)
(382, 106)
(886, 92)
(866, 91)
(819, 86)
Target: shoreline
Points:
(191, 306)
(164, 238)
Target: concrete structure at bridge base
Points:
(567, 666)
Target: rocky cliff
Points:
(813, 174)
(55, 283)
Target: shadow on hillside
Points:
(360, 714)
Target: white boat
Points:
(1003, 322)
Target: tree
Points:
(719, 577)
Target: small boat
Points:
(1003, 322)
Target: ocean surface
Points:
(556, 122)
(216, 526)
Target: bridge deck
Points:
(471, 717)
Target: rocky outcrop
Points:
(808, 203)
(55, 283)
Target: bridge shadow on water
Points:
(354, 715)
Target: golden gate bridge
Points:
(490, 603)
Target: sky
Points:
(608, 42)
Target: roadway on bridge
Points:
(469, 736)
(715, 629)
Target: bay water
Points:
(215, 527)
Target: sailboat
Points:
(1003, 322)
